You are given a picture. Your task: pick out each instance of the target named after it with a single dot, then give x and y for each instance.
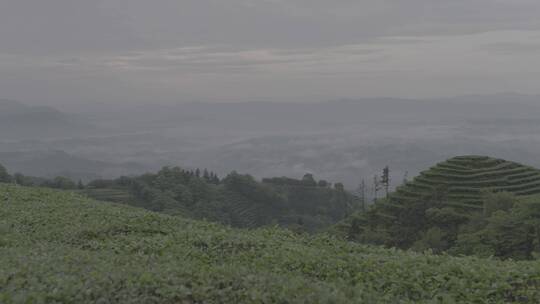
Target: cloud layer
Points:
(66, 50)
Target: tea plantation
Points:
(463, 178)
(58, 247)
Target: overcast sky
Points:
(73, 51)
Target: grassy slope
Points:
(60, 247)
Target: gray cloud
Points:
(227, 60)
(514, 48)
(63, 25)
(271, 49)
(301, 23)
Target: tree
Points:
(4, 176)
(497, 201)
(182, 195)
(509, 237)
(385, 180)
(22, 180)
(361, 192)
(101, 183)
(322, 183)
(376, 188)
(433, 239)
(60, 182)
(504, 231)
(215, 179)
(199, 189)
(309, 180)
(339, 187)
(64, 183)
(163, 200)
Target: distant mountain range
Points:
(344, 140)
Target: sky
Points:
(80, 51)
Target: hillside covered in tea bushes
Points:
(59, 247)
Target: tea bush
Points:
(59, 247)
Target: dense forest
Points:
(238, 200)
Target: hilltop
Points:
(466, 205)
(463, 178)
(61, 247)
(19, 121)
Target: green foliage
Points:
(434, 239)
(506, 233)
(237, 200)
(309, 181)
(108, 194)
(466, 205)
(57, 247)
(4, 176)
(60, 183)
(497, 201)
(28, 181)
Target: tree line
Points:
(238, 200)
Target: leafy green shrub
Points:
(57, 247)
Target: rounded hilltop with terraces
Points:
(462, 180)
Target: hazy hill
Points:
(52, 163)
(19, 121)
(60, 247)
(308, 117)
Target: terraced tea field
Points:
(463, 178)
(109, 195)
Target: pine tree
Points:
(361, 192)
(376, 188)
(215, 178)
(385, 180)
